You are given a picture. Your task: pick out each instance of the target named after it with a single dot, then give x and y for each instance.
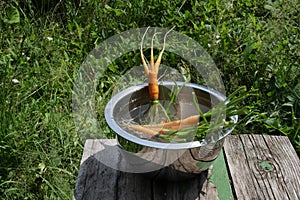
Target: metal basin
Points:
(175, 160)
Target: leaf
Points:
(118, 12)
(289, 104)
(113, 68)
(296, 91)
(269, 7)
(249, 48)
(13, 15)
(108, 7)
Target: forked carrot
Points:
(152, 70)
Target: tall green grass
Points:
(254, 43)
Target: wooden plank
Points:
(98, 181)
(291, 179)
(187, 189)
(220, 178)
(263, 167)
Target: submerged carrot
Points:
(144, 130)
(166, 128)
(189, 121)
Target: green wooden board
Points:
(220, 178)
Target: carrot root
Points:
(145, 130)
(189, 121)
(166, 128)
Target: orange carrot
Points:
(189, 121)
(152, 131)
(166, 128)
(152, 70)
(153, 86)
(142, 129)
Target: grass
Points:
(254, 43)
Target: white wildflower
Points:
(209, 45)
(207, 26)
(49, 38)
(15, 81)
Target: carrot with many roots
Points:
(156, 112)
(153, 68)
